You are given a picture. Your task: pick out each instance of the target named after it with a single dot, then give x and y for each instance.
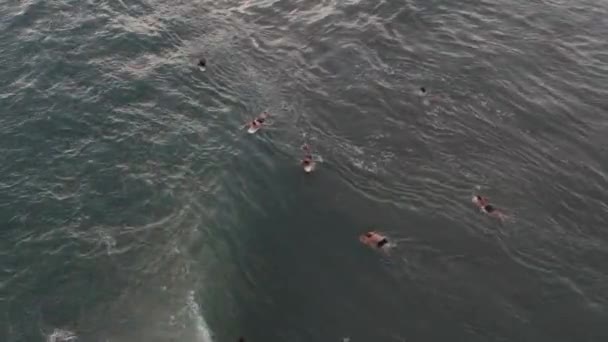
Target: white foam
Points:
(60, 335)
(203, 332)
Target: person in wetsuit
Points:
(484, 205)
(307, 161)
(259, 121)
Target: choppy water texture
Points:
(133, 207)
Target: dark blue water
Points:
(133, 207)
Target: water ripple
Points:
(127, 176)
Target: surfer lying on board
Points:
(484, 205)
(374, 240)
(307, 163)
(258, 122)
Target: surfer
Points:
(422, 93)
(307, 163)
(202, 63)
(427, 96)
(484, 205)
(374, 240)
(258, 122)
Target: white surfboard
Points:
(252, 129)
(310, 167)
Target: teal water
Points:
(134, 208)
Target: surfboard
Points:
(310, 167)
(252, 129)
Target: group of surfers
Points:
(308, 163)
(372, 238)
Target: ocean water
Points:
(133, 207)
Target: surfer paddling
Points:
(484, 205)
(374, 240)
(308, 164)
(257, 123)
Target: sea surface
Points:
(135, 208)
